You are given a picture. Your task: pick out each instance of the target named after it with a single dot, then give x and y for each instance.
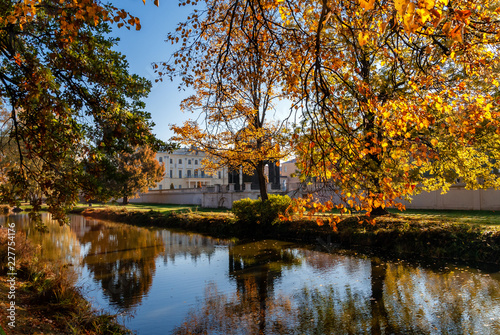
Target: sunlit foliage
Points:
(69, 97)
(397, 96)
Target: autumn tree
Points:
(127, 174)
(227, 56)
(70, 97)
(399, 96)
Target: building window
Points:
(219, 175)
(180, 160)
(171, 161)
(196, 173)
(161, 186)
(195, 162)
(202, 174)
(189, 161)
(160, 159)
(189, 173)
(180, 186)
(180, 173)
(171, 174)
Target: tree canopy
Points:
(69, 98)
(237, 82)
(397, 96)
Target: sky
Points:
(148, 45)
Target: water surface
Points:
(164, 281)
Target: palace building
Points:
(183, 169)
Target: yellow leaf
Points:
(446, 27)
(400, 6)
(456, 33)
(434, 142)
(424, 14)
(367, 4)
(363, 38)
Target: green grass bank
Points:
(447, 235)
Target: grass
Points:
(145, 207)
(487, 219)
(465, 235)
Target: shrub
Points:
(4, 209)
(261, 212)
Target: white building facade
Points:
(184, 169)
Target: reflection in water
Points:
(401, 300)
(265, 287)
(255, 266)
(60, 244)
(122, 259)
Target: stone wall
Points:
(457, 198)
(207, 197)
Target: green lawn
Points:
(485, 218)
(162, 208)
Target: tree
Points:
(392, 98)
(236, 78)
(128, 174)
(70, 98)
(397, 96)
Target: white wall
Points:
(457, 198)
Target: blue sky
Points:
(147, 46)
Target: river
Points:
(170, 282)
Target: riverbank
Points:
(45, 298)
(397, 235)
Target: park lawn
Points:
(486, 219)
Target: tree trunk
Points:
(125, 200)
(262, 181)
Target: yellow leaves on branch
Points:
(72, 15)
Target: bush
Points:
(261, 212)
(4, 209)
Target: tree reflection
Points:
(453, 302)
(260, 264)
(400, 300)
(122, 259)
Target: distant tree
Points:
(234, 73)
(69, 96)
(127, 174)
